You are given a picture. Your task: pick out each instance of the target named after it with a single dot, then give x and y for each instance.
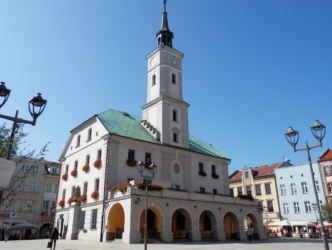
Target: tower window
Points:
(175, 137)
(153, 80)
(175, 116)
(174, 78)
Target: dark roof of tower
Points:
(164, 35)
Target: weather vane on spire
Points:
(164, 1)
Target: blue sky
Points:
(251, 68)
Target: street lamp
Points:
(36, 106)
(150, 171)
(292, 136)
(264, 210)
(3, 216)
(314, 207)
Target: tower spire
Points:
(164, 36)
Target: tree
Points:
(326, 212)
(21, 156)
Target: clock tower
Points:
(165, 115)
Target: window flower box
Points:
(215, 176)
(64, 177)
(73, 172)
(85, 168)
(95, 194)
(61, 203)
(131, 162)
(202, 173)
(70, 200)
(97, 163)
(82, 198)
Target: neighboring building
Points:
(258, 182)
(96, 201)
(32, 202)
(297, 194)
(325, 162)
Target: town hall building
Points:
(101, 192)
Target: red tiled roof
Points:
(327, 155)
(257, 172)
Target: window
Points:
(29, 206)
(296, 208)
(267, 188)
(239, 190)
(293, 188)
(99, 154)
(329, 186)
(304, 188)
(81, 220)
(286, 209)
(46, 206)
(67, 167)
(246, 174)
(76, 165)
(87, 159)
(283, 189)
(258, 189)
(317, 186)
(153, 80)
(97, 184)
(25, 168)
(85, 187)
(148, 158)
(22, 186)
(78, 141)
(48, 187)
(202, 190)
(35, 169)
(231, 192)
(260, 204)
(175, 116)
(327, 170)
(73, 188)
(56, 188)
(214, 191)
(174, 78)
(175, 137)
(213, 169)
(33, 185)
(94, 219)
(18, 205)
(131, 154)
(248, 190)
(54, 171)
(64, 194)
(307, 206)
(201, 167)
(89, 134)
(270, 206)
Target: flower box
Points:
(151, 187)
(64, 177)
(95, 194)
(70, 200)
(215, 176)
(131, 162)
(85, 168)
(97, 163)
(61, 203)
(82, 198)
(74, 172)
(202, 173)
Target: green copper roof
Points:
(127, 125)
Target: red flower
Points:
(95, 194)
(82, 198)
(202, 173)
(131, 162)
(97, 163)
(73, 172)
(61, 203)
(215, 176)
(70, 200)
(85, 168)
(65, 176)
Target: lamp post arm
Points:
(18, 120)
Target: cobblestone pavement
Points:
(270, 244)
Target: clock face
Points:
(173, 60)
(153, 61)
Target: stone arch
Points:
(154, 223)
(181, 225)
(251, 221)
(208, 226)
(45, 230)
(231, 226)
(116, 219)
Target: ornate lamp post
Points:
(36, 106)
(147, 172)
(292, 136)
